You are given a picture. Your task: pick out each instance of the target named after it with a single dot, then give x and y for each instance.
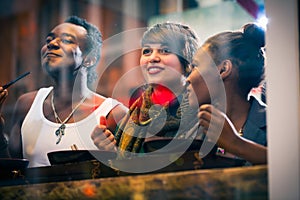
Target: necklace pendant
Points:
(60, 132)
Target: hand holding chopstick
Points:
(14, 81)
(3, 93)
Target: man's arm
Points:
(20, 111)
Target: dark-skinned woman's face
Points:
(204, 80)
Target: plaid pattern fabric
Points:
(146, 118)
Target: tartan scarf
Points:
(147, 118)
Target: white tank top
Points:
(38, 133)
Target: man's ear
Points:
(90, 59)
(225, 68)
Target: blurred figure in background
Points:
(3, 140)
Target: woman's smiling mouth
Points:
(154, 69)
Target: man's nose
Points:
(53, 43)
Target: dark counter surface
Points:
(249, 182)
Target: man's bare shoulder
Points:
(25, 101)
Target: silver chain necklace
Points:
(61, 130)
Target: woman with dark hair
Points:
(162, 106)
(232, 63)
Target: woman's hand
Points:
(103, 137)
(221, 129)
(223, 132)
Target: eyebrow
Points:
(50, 35)
(63, 34)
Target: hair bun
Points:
(255, 34)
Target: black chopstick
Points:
(12, 82)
